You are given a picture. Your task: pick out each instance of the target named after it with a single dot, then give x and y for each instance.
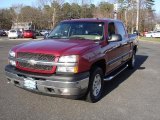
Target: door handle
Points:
(120, 45)
(124, 43)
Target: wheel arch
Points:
(100, 63)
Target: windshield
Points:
(78, 30)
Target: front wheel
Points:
(34, 37)
(96, 83)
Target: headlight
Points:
(12, 53)
(68, 59)
(72, 59)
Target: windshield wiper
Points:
(76, 37)
(55, 37)
(58, 37)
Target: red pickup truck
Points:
(74, 60)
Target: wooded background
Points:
(45, 14)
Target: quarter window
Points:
(111, 29)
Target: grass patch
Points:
(150, 39)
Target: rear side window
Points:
(121, 29)
(12, 30)
(27, 31)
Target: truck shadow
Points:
(111, 85)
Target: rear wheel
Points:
(131, 62)
(96, 83)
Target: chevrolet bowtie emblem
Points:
(32, 62)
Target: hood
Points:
(57, 47)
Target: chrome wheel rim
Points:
(96, 85)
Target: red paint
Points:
(89, 51)
(28, 34)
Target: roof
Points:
(93, 20)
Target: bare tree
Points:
(17, 9)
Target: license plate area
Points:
(30, 83)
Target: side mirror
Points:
(115, 38)
(46, 35)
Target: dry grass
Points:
(150, 39)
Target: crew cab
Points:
(74, 60)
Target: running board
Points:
(108, 78)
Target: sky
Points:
(9, 3)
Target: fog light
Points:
(68, 69)
(65, 91)
(13, 63)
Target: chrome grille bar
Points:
(44, 62)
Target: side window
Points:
(111, 29)
(121, 29)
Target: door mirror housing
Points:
(46, 35)
(115, 38)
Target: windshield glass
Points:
(78, 30)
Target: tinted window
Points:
(111, 29)
(121, 29)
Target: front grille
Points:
(35, 67)
(36, 57)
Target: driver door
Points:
(113, 51)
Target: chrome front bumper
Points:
(51, 85)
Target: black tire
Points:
(34, 37)
(131, 62)
(95, 94)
